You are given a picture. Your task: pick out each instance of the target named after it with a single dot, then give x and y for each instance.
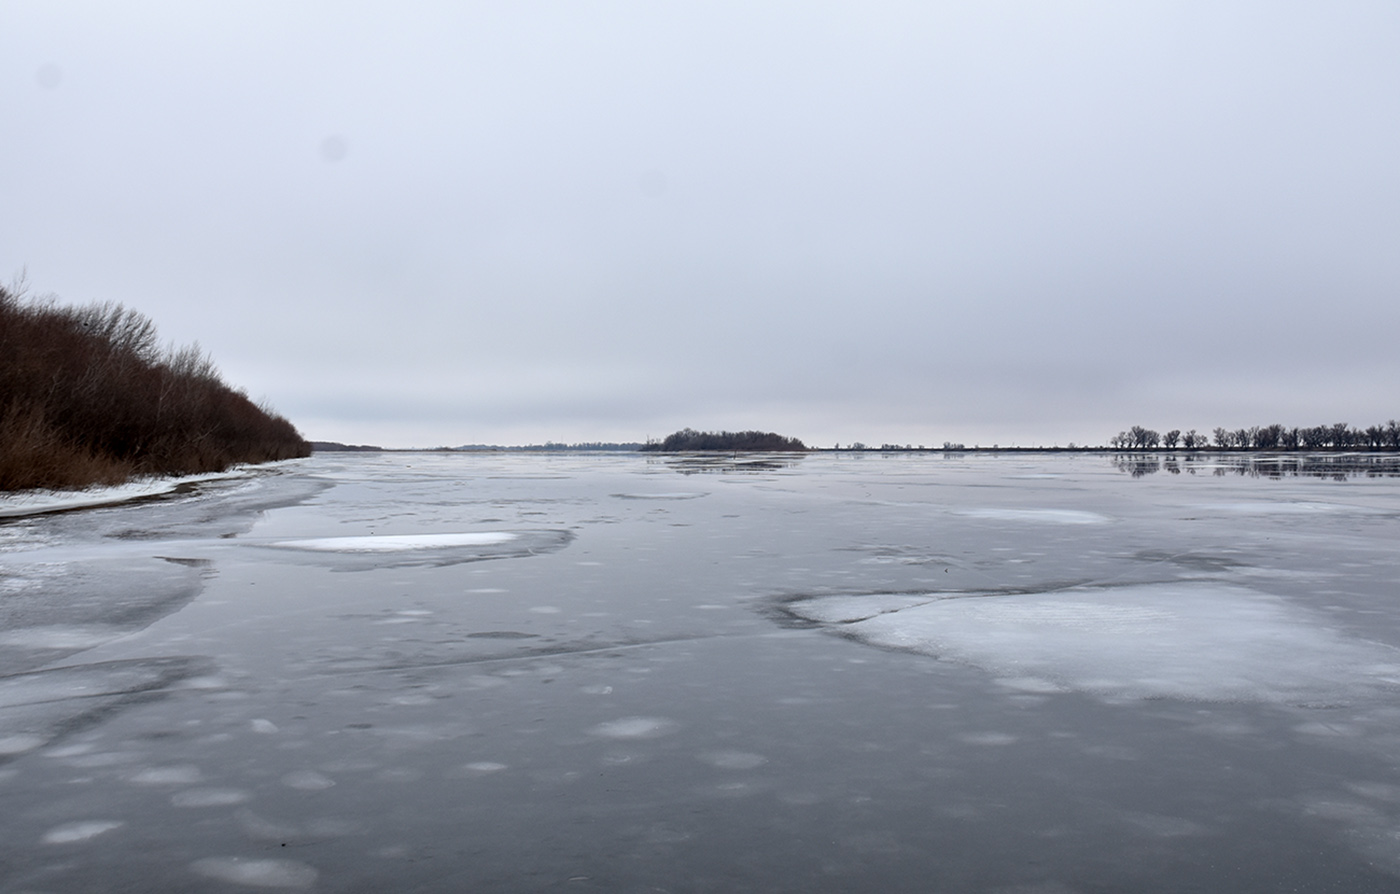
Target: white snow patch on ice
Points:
(384, 543)
(256, 873)
(1192, 640)
(1048, 516)
(68, 833)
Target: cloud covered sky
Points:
(444, 223)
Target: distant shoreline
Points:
(330, 447)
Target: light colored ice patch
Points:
(387, 543)
(1030, 685)
(69, 833)
(845, 609)
(634, 728)
(484, 767)
(1046, 516)
(671, 495)
(256, 873)
(989, 739)
(733, 760)
(182, 775)
(60, 636)
(20, 743)
(1276, 507)
(209, 797)
(72, 750)
(1198, 641)
(307, 780)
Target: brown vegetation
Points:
(87, 396)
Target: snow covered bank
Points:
(37, 502)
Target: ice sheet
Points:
(1189, 640)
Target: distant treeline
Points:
(336, 446)
(1339, 436)
(88, 396)
(555, 447)
(690, 439)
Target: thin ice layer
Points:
(1186, 640)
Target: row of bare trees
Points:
(1339, 436)
(88, 396)
(690, 439)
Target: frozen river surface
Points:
(428, 672)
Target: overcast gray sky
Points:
(992, 222)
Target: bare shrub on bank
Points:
(87, 396)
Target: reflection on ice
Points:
(1187, 640)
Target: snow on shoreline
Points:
(38, 502)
